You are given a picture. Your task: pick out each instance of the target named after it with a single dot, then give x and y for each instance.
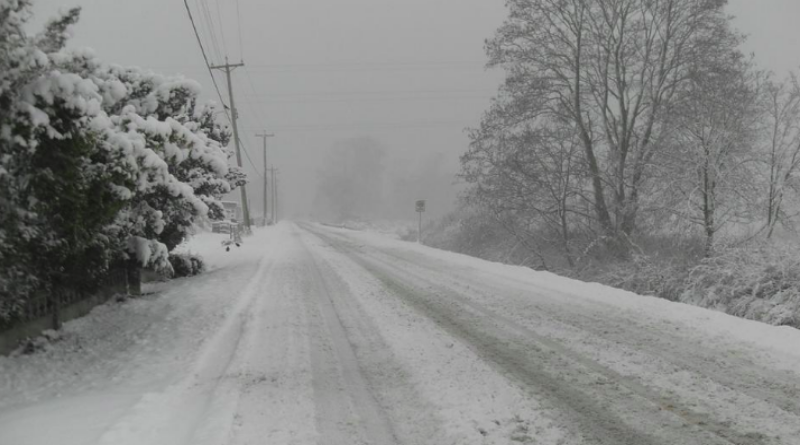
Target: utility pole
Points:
(264, 136)
(228, 69)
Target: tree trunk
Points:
(708, 210)
(709, 249)
(600, 207)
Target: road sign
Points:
(420, 206)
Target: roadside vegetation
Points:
(636, 144)
(100, 165)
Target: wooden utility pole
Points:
(228, 69)
(264, 136)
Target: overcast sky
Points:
(408, 73)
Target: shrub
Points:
(186, 265)
(759, 282)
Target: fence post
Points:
(133, 276)
(55, 299)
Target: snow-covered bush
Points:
(654, 275)
(760, 282)
(60, 180)
(186, 265)
(98, 164)
(187, 137)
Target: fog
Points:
(403, 77)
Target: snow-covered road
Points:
(315, 335)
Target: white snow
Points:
(779, 344)
(289, 338)
(127, 357)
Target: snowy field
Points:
(309, 334)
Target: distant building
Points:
(233, 211)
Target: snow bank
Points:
(780, 344)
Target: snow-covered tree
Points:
(185, 135)
(716, 144)
(98, 163)
(612, 71)
(782, 114)
(60, 180)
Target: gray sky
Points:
(408, 73)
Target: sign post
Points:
(420, 210)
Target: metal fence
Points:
(41, 305)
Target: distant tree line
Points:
(99, 164)
(620, 119)
(358, 180)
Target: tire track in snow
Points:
(197, 410)
(276, 405)
(780, 388)
(730, 396)
(337, 377)
(609, 409)
(442, 393)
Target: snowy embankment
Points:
(103, 363)
(781, 339)
(595, 362)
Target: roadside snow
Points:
(104, 362)
(391, 228)
(777, 346)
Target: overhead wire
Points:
(372, 100)
(374, 125)
(365, 67)
(239, 28)
(205, 58)
(249, 78)
(250, 83)
(247, 155)
(205, 41)
(374, 92)
(242, 145)
(210, 26)
(221, 28)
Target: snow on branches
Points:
(98, 163)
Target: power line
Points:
(221, 29)
(205, 58)
(435, 99)
(210, 26)
(366, 69)
(375, 92)
(376, 125)
(240, 146)
(214, 81)
(247, 155)
(253, 89)
(378, 66)
(206, 40)
(384, 64)
(239, 28)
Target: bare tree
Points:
(716, 143)
(782, 112)
(531, 181)
(611, 70)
